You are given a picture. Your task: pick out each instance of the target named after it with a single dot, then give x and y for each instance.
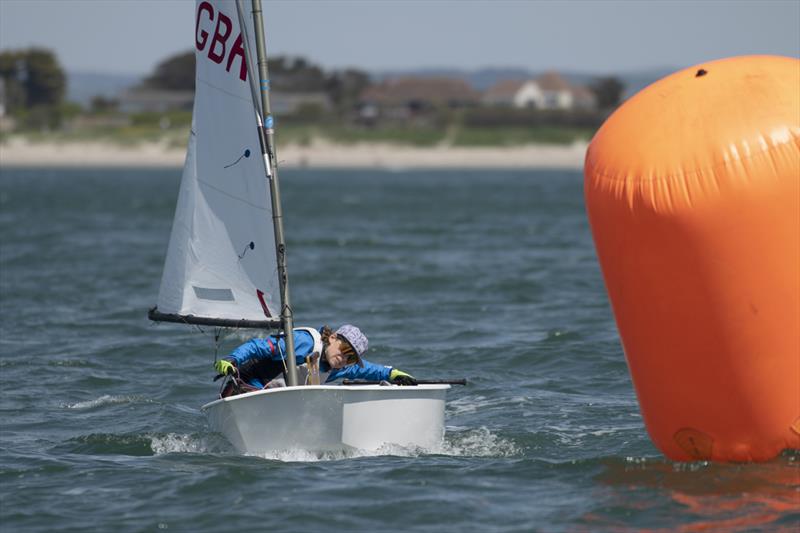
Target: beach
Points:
(20, 152)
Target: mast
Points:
(266, 136)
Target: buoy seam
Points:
(770, 151)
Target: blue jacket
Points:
(261, 360)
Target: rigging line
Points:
(283, 355)
(248, 61)
(220, 89)
(231, 196)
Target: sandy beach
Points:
(318, 154)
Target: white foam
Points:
(479, 442)
(174, 443)
(104, 400)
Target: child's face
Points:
(333, 354)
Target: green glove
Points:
(398, 377)
(224, 367)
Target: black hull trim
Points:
(157, 316)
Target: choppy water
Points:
(487, 275)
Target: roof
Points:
(505, 89)
(552, 81)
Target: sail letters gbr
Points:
(218, 46)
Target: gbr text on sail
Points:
(217, 43)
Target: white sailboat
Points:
(226, 264)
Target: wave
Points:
(107, 399)
(472, 404)
(480, 442)
(177, 443)
(139, 444)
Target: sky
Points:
(596, 37)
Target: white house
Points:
(548, 91)
(513, 93)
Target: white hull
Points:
(331, 418)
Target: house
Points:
(583, 98)
(556, 92)
(513, 93)
(405, 98)
(548, 91)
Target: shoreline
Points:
(19, 152)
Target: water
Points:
(486, 275)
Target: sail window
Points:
(217, 295)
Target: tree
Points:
(101, 104)
(608, 92)
(32, 78)
(176, 73)
(295, 74)
(46, 83)
(344, 87)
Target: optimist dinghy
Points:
(226, 261)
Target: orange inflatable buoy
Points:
(692, 189)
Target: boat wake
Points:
(479, 442)
(176, 443)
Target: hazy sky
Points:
(132, 36)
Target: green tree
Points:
(46, 83)
(33, 78)
(608, 92)
(176, 73)
(295, 74)
(100, 104)
(344, 87)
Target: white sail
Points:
(221, 260)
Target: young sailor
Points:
(260, 362)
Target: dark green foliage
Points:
(176, 73)
(33, 78)
(608, 91)
(344, 87)
(295, 74)
(101, 104)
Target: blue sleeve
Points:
(370, 372)
(273, 348)
(254, 349)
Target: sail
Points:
(221, 263)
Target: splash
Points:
(106, 400)
(175, 443)
(479, 442)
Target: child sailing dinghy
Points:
(226, 264)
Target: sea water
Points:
(486, 275)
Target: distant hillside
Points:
(83, 86)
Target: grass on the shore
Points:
(175, 133)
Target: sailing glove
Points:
(224, 367)
(398, 377)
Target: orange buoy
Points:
(692, 189)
